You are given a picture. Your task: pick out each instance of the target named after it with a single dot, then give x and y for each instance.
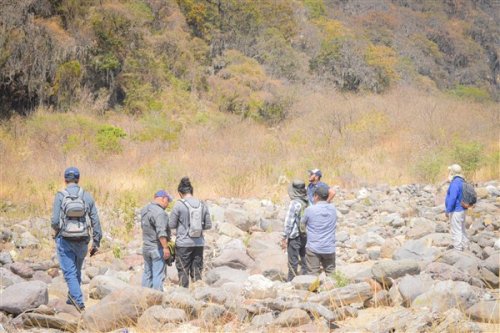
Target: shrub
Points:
(475, 93)
(341, 280)
(124, 209)
(469, 155)
(428, 167)
(315, 8)
(67, 83)
(108, 139)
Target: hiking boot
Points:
(71, 301)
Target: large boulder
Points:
(353, 293)
(60, 321)
(454, 320)
(415, 249)
(412, 286)
(181, 299)
(155, 318)
(233, 258)
(22, 269)
(265, 249)
(120, 308)
(27, 240)
(221, 275)
(102, 285)
(493, 262)
(259, 287)
(446, 295)
(230, 230)
(24, 296)
(292, 317)
(7, 278)
(238, 217)
(485, 311)
(420, 227)
(385, 271)
(402, 320)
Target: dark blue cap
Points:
(163, 194)
(316, 172)
(71, 173)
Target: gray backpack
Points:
(469, 196)
(73, 223)
(195, 221)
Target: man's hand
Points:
(283, 244)
(93, 250)
(166, 253)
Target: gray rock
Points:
(27, 240)
(5, 258)
(22, 269)
(292, 318)
(402, 320)
(119, 309)
(439, 239)
(63, 321)
(369, 239)
(259, 287)
(485, 311)
(345, 312)
(154, 318)
(238, 217)
(42, 276)
(221, 275)
(389, 247)
(381, 298)
(7, 278)
(217, 213)
(230, 230)
(412, 286)
(497, 244)
(24, 296)
(182, 300)
(415, 249)
(489, 279)
(102, 285)
(318, 310)
(454, 320)
(420, 227)
(233, 258)
(385, 271)
(303, 282)
(342, 236)
(262, 319)
(211, 314)
(493, 262)
(209, 294)
(442, 271)
(353, 293)
(445, 295)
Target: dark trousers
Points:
(189, 263)
(296, 254)
(316, 260)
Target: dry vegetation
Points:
(241, 95)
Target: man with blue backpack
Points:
(75, 220)
(459, 197)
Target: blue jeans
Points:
(154, 269)
(71, 255)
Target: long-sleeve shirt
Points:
(454, 196)
(179, 219)
(90, 208)
(321, 223)
(292, 220)
(154, 223)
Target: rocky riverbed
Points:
(395, 273)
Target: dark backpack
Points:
(469, 196)
(73, 223)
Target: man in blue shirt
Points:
(71, 251)
(320, 221)
(314, 182)
(454, 209)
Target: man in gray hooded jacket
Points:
(294, 239)
(188, 249)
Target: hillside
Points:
(141, 92)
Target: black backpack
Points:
(469, 196)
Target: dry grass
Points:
(354, 139)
